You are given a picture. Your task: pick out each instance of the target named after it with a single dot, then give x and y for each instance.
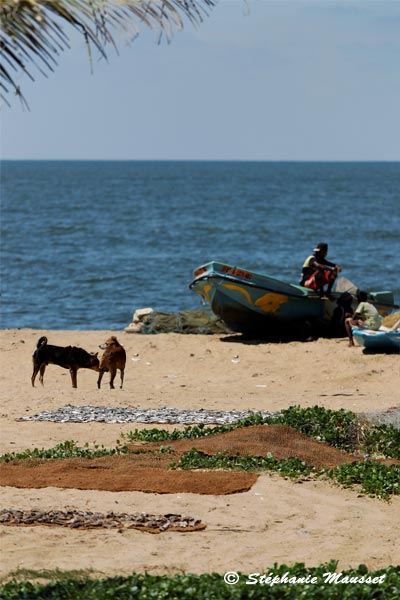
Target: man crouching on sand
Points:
(365, 317)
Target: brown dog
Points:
(114, 357)
(68, 357)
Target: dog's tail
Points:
(41, 342)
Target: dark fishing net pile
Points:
(187, 321)
(205, 322)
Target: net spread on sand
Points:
(146, 469)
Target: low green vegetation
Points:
(289, 467)
(374, 478)
(342, 429)
(383, 439)
(189, 432)
(279, 582)
(67, 449)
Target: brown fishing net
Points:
(147, 469)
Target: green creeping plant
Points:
(212, 586)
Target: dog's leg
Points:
(73, 371)
(42, 370)
(99, 379)
(35, 372)
(122, 378)
(113, 372)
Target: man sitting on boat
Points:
(317, 271)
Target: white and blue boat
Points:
(380, 340)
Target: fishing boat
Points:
(377, 341)
(260, 305)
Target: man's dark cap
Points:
(322, 247)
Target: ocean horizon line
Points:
(204, 160)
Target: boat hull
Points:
(256, 304)
(259, 305)
(377, 340)
(244, 319)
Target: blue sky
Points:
(266, 80)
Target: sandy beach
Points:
(275, 521)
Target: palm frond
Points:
(33, 31)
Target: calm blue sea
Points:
(86, 243)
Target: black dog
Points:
(70, 357)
